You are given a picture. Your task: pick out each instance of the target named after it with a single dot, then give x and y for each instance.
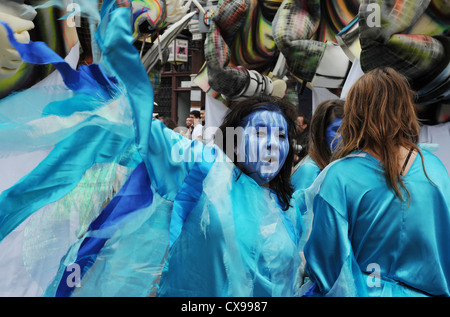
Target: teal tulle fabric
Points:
(244, 245)
(57, 118)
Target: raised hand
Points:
(10, 59)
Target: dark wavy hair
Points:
(281, 184)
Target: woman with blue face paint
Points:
(262, 146)
(243, 193)
(201, 223)
(323, 140)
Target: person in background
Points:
(323, 138)
(202, 115)
(382, 207)
(168, 122)
(198, 127)
(189, 123)
(187, 131)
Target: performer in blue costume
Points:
(323, 140)
(171, 217)
(382, 209)
(242, 237)
(197, 224)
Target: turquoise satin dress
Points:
(366, 242)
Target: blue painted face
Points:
(263, 145)
(332, 132)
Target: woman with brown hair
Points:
(382, 208)
(323, 139)
(324, 126)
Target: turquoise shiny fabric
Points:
(361, 230)
(115, 40)
(134, 200)
(50, 181)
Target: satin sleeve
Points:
(330, 262)
(328, 245)
(329, 253)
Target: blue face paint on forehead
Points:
(268, 109)
(265, 118)
(263, 145)
(332, 132)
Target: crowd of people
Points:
(345, 204)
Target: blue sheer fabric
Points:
(83, 126)
(236, 242)
(80, 136)
(122, 206)
(221, 235)
(366, 242)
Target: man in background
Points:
(198, 127)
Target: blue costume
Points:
(366, 242)
(123, 206)
(223, 233)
